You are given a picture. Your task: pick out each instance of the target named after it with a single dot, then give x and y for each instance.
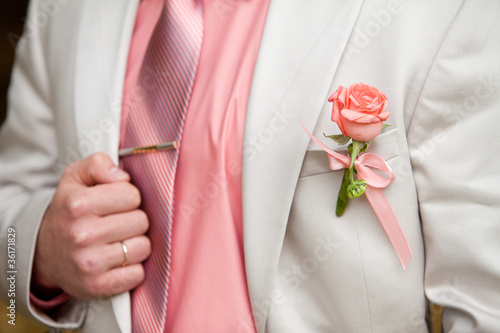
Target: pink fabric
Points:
(208, 289)
(373, 193)
(156, 114)
(46, 306)
(147, 16)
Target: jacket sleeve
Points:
(28, 175)
(455, 151)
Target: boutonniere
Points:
(359, 111)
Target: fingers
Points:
(123, 278)
(117, 281)
(99, 259)
(95, 169)
(110, 283)
(88, 267)
(101, 270)
(103, 199)
(138, 250)
(118, 227)
(110, 229)
(114, 198)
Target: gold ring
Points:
(125, 254)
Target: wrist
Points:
(41, 285)
(43, 290)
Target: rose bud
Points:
(356, 189)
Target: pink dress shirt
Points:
(208, 287)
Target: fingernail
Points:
(118, 174)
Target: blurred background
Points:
(12, 16)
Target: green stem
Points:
(343, 199)
(357, 146)
(351, 174)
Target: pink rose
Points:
(359, 112)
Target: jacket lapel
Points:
(103, 43)
(302, 45)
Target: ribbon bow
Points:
(364, 165)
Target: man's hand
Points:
(79, 244)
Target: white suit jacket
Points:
(438, 62)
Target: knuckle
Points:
(79, 236)
(97, 158)
(118, 282)
(92, 286)
(107, 288)
(85, 263)
(96, 162)
(77, 204)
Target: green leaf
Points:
(365, 146)
(339, 138)
(385, 126)
(343, 199)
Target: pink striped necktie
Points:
(155, 115)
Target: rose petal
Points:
(355, 102)
(338, 99)
(358, 116)
(362, 132)
(384, 115)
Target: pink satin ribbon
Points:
(364, 165)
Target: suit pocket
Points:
(316, 160)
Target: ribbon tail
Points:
(343, 161)
(391, 225)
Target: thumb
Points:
(96, 169)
